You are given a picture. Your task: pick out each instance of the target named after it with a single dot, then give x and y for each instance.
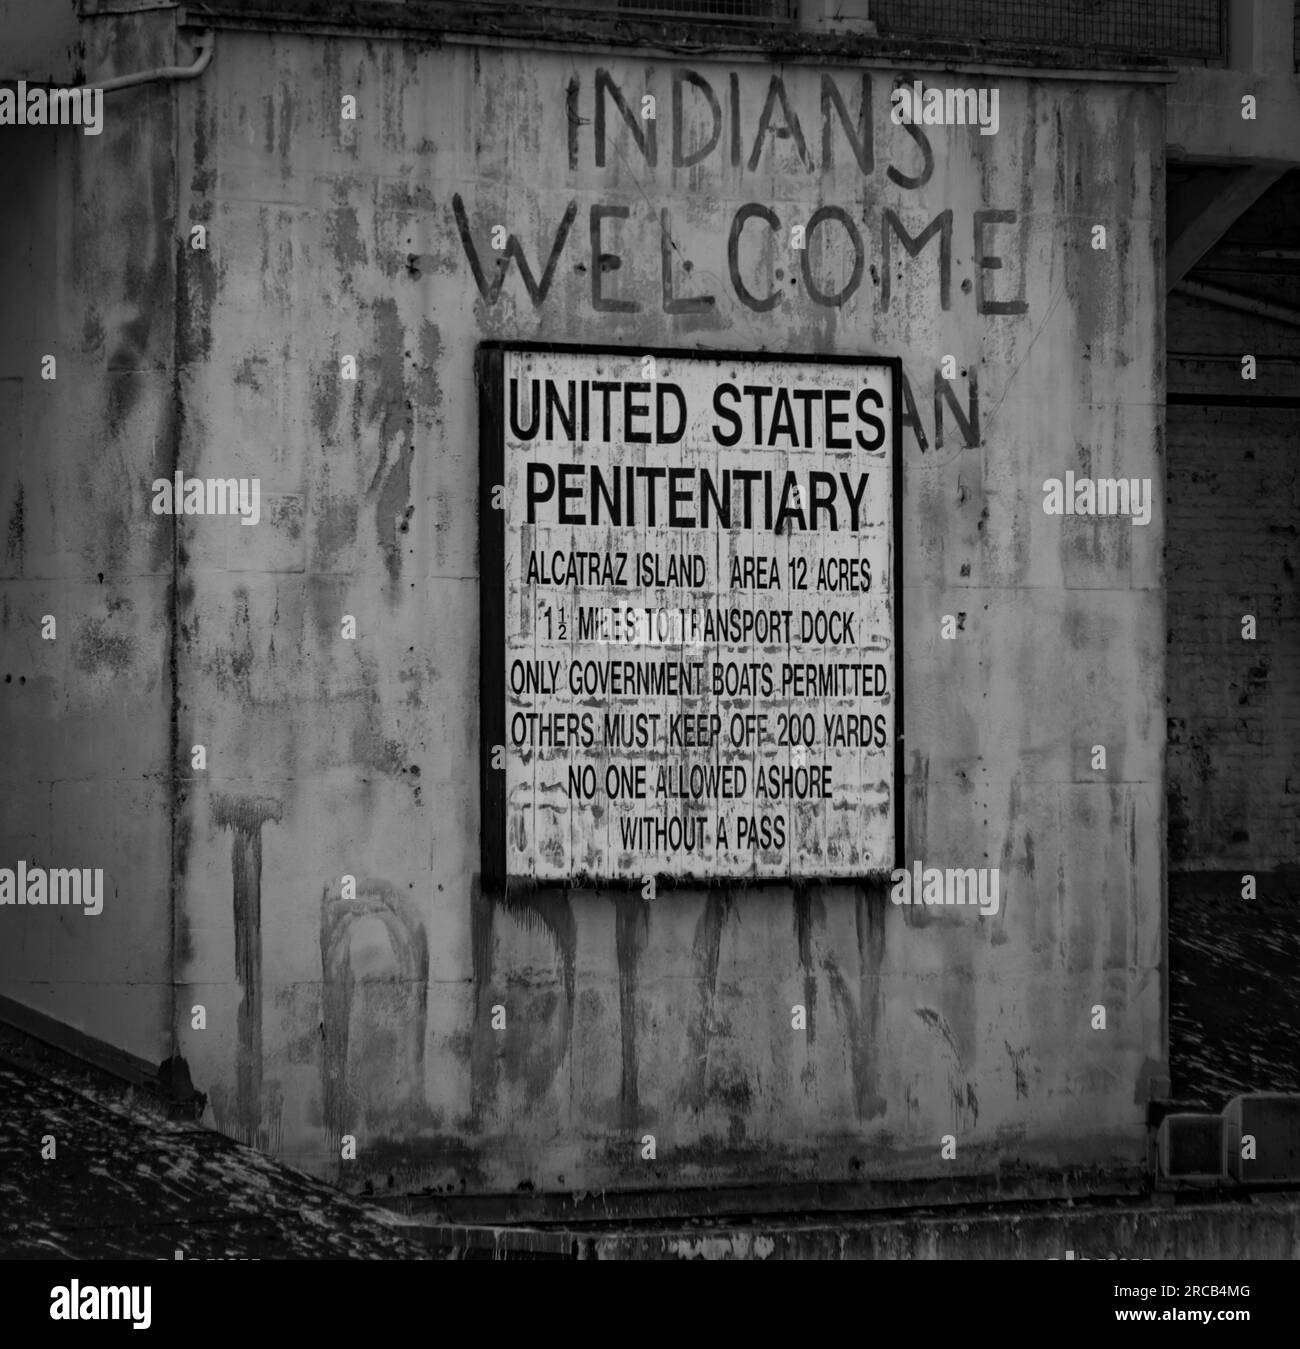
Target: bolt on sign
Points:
(690, 608)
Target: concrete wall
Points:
(371, 1016)
(88, 254)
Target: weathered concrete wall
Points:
(327, 757)
(88, 253)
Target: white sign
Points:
(699, 631)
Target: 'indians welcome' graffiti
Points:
(833, 247)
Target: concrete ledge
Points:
(771, 1202)
(436, 20)
(1264, 1227)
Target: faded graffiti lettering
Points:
(752, 277)
(732, 132)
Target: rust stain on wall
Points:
(536, 1047)
(391, 412)
(803, 924)
(391, 1057)
(536, 1044)
(244, 816)
(98, 647)
(14, 540)
(1017, 1065)
(631, 931)
(706, 949)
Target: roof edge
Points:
(439, 21)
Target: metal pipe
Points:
(206, 46)
(1234, 299)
